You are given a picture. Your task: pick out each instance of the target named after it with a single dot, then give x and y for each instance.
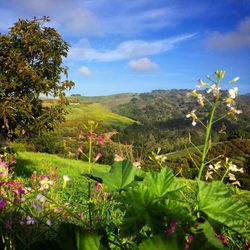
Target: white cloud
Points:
(68, 16)
(142, 65)
(234, 40)
(85, 71)
(126, 50)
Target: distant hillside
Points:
(109, 101)
(163, 122)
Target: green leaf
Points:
(75, 238)
(161, 183)
(141, 209)
(210, 235)
(159, 243)
(215, 201)
(121, 175)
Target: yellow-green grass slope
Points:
(28, 162)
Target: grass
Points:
(80, 113)
(28, 162)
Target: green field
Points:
(82, 112)
(28, 162)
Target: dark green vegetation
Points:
(148, 121)
(30, 65)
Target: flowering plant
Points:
(210, 104)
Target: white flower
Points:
(201, 84)
(45, 183)
(118, 158)
(66, 178)
(231, 177)
(41, 198)
(209, 175)
(234, 111)
(217, 165)
(214, 89)
(233, 93)
(30, 221)
(193, 116)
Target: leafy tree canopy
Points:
(31, 65)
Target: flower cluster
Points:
(215, 90)
(229, 171)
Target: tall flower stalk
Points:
(212, 103)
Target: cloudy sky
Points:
(142, 45)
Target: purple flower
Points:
(173, 224)
(2, 203)
(190, 239)
(168, 231)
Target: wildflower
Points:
(79, 150)
(234, 168)
(48, 222)
(190, 239)
(171, 228)
(66, 178)
(237, 78)
(222, 239)
(45, 183)
(41, 198)
(201, 84)
(2, 203)
(100, 140)
(217, 165)
(118, 158)
(215, 90)
(89, 136)
(161, 158)
(209, 175)
(236, 183)
(137, 164)
(99, 155)
(98, 187)
(231, 177)
(193, 116)
(81, 214)
(29, 220)
(234, 111)
(233, 93)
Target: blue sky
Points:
(141, 45)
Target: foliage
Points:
(126, 207)
(31, 65)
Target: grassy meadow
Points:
(28, 162)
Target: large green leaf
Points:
(141, 209)
(75, 238)
(121, 175)
(159, 243)
(163, 182)
(210, 235)
(219, 205)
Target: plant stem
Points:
(89, 171)
(206, 144)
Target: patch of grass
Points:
(80, 113)
(28, 162)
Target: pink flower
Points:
(2, 203)
(98, 187)
(89, 136)
(190, 239)
(100, 140)
(99, 155)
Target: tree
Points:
(31, 65)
